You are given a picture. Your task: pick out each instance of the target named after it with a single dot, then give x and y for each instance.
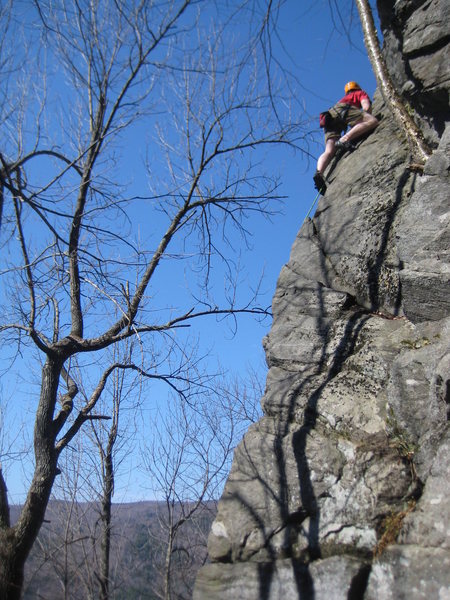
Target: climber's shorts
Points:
(352, 116)
(333, 133)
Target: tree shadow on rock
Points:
(375, 266)
(293, 521)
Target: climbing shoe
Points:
(319, 182)
(345, 146)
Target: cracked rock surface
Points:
(341, 489)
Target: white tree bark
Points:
(392, 98)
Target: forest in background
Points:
(64, 562)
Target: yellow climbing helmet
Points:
(351, 85)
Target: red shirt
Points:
(354, 98)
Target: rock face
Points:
(341, 489)
(416, 44)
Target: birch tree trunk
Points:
(392, 98)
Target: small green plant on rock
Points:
(416, 344)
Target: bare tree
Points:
(190, 443)
(59, 557)
(112, 441)
(194, 78)
(187, 462)
(76, 541)
(106, 452)
(390, 94)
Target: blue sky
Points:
(323, 59)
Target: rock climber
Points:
(353, 110)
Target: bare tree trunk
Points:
(168, 558)
(17, 541)
(108, 487)
(11, 577)
(392, 98)
(108, 473)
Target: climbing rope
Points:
(312, 206)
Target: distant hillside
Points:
(66, 557)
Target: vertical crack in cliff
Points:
(375, 267)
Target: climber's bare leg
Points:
(368, 123)
(325, 158)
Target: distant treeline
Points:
(66, 559)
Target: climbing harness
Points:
(339, 114)
(334, 118)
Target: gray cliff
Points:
(341, 490)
